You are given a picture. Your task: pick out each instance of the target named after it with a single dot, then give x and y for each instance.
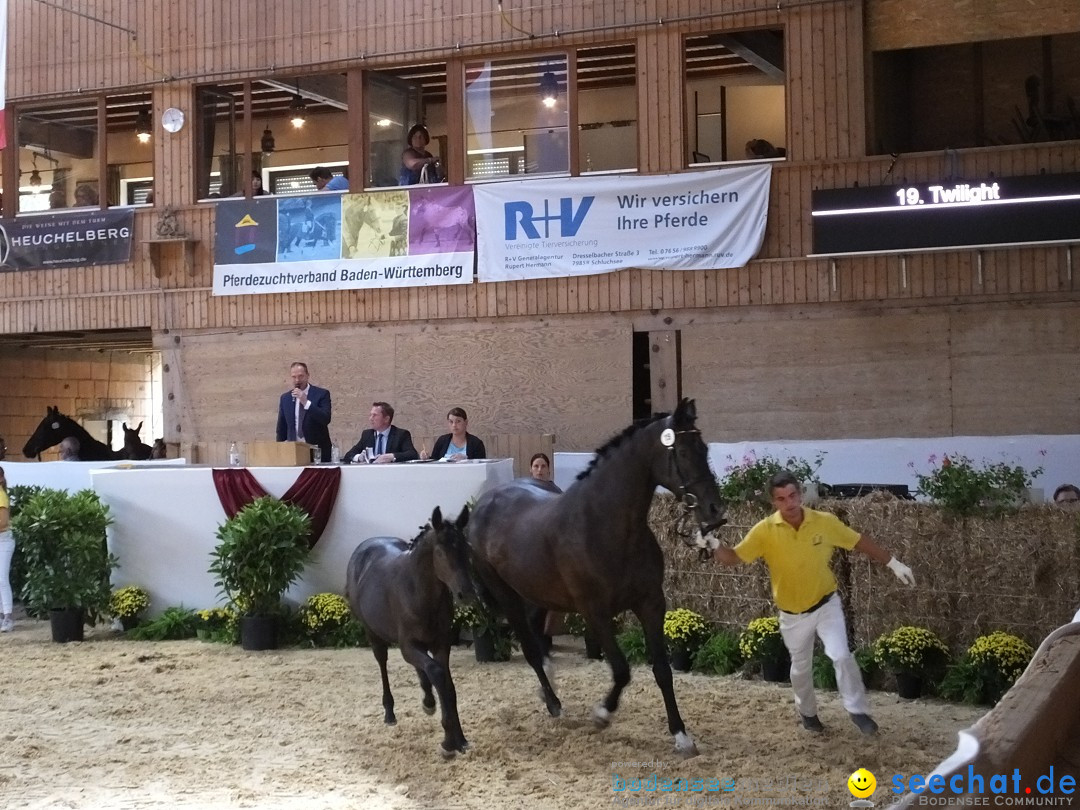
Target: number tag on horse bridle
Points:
(667, 438)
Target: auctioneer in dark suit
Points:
(398, 442)
(474, 448)
(315, 419)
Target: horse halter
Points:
(682, 491)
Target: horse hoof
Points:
(390, 721)
(428, 709)
(601, 717)
(685, 745)
(447, 753)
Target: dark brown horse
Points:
(134, 446)
(591, 551)
(401, 593)
(56, 427)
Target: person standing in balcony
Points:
(418, 165)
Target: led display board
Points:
(938, 216)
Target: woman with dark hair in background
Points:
(458, 444)
(418, 165)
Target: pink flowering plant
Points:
(962, 487)
(747, 480)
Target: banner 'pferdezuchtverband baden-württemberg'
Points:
(328, 241)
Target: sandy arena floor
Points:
(111, 723)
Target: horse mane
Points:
(619, 438)
(419, 536)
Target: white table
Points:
(166, 519)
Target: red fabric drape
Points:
(315, 491)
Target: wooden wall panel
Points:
(82, 384)
(894, 24)
(519, 379)
(527, 380)
(1017, 371)
(226, 386)
(822, 378)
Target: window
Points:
(607, 109)
(130, 148)
(735, 96)
(58, 156)
(396, 101)
(299, 122)
(977, 94)
(516, 117)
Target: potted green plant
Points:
(761, 643)
(684, 631)
(216, 624)
(128, 604)
(67, 563)
(261, 551)
(747, 480)
(327, 621)
(962, 487)
(912, 654)
(988, 669)
(491, 636)
(719, 654)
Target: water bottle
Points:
(335, 454)
(234, 455)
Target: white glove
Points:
(903, 573)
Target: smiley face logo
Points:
(862, 784)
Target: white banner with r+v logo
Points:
(580, 226)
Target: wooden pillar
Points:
(357, 122)
(664, 370)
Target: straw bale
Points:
(1018, 572)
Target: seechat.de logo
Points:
(999, 789)
(522, 217)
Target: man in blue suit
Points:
(304, 412)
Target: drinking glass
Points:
(316, 454)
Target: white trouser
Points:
(7, 548)
(827, 622)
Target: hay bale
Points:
(1016, 572)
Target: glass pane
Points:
(398, 101)
(130, 180)
(58, 156)
(735, 96)
(300, 123)
(516, 117)
(607, 108)
(219, 113)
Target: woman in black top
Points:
(458, 444)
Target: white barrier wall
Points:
(69, 475)
(165, 520)
(891, 461)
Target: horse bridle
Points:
(685, 496)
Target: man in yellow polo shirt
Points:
(797, 544)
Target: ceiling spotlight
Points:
(383, 122)
(549, 89)
(143, 126)
(35, 178)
